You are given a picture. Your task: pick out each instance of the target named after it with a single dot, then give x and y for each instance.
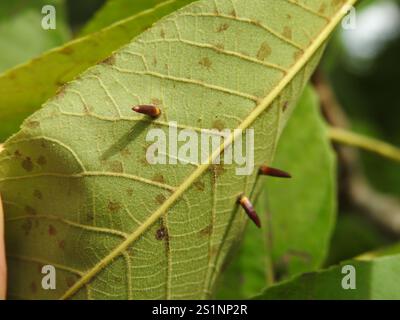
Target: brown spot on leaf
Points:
(125, 152)
(233, 13)
(297, 55)
(285, 106)
(322, 8)
(214, 251)
(206, 63)
(219, 125)
(116, 166)
(287, 32)
(52, 231)
(218, 169)
(33, 124)
(162, 33)
(42, 161)
(223, 27)
(220, 46)
(336, 3)
(70, 281)
(144, 162)
(264, 51)
(37, 194)
(61, 90)
(114, 206)
(160, 199)
(33, 287)
(161, 233)
(158, 178)
(29, 210)
(27, 164)
(61, 244)
(27, 226)
(199, 185)
(129, 192)
(206, 231)
(40, 267)
(109, 60)
(12, 75)
(17, 154)
(67, 50)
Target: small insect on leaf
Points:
(149, 110)
(248, 207)
(268, 171)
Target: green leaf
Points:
(115, 10)
(376, 278)
(354, 235)
(302, 211)
(292, 209)
(249, 272)
(21, 34)
(26, 87)
(78, 191)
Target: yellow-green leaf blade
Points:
(86, 145)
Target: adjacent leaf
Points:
(249, 272)
(115, 10)
(292, 209)
(376, 278)
(21, 34)
(354, 235)
(78, 190)
(24, 88)
(302, 211)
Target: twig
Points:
(369, 144)
(383, 210)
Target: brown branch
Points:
(383, 210)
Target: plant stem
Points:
(349, 138)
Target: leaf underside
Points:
(78, 191)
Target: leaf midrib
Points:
(198, 172)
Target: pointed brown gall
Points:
(149, 110)
(268, 171)
(248, 207)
